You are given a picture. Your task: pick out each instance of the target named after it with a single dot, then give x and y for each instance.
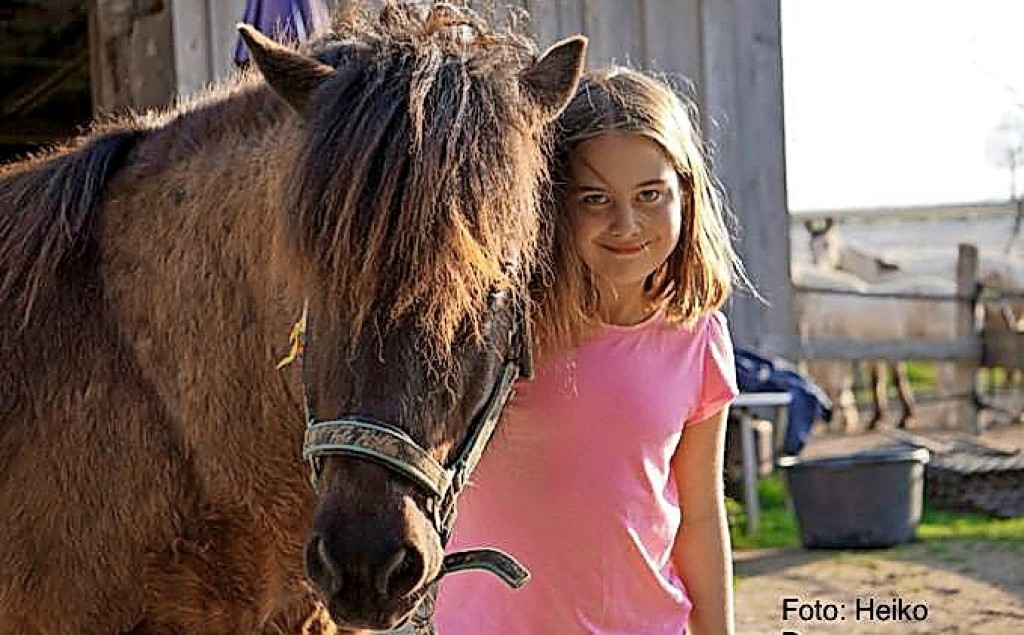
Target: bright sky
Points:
(893, 102)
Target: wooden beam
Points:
(616, 32)
(965, 349)
(742, 118)
(132, 56)
(966, 373)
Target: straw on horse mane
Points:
(390, 202)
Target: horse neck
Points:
(833, 252)
(202, 225)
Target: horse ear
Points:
(888, 266)
(292, 75)
(551, 81)
(818, 226)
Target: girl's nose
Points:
(624, 221)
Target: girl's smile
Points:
(626, 250)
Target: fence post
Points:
(967, 412)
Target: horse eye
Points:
(496, 301)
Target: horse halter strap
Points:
(371, 439)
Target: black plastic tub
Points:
(864, 500)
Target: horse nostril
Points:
(402, 572)
(319, 566)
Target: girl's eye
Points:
(594, 199)
(649, 196)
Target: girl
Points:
(605, 478)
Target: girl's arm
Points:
(702, 551)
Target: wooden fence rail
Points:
(971, 349)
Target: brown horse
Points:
(151, 481)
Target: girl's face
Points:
(624, 198)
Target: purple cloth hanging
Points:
(282, 20)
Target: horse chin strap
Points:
(374, 440)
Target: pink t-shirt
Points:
(577, 485)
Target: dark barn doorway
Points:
(45, 93)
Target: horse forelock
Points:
(420, 174)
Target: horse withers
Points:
(385, 182)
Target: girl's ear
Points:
(551, 81)
(293, 76)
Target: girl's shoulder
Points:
(713, 323)
(663, 336)
(717, 321)
(713, 329)
(707, 336)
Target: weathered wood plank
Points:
(129, 45)
(543, 20)
(570, 19)
(671, 32)
(741, 103)
(223, 16)
(966, 373)
(964, 349)
(616, 31)
(193, 56)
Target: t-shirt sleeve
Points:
(718, 372)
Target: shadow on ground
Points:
(996, 563)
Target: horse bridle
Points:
(374, 440)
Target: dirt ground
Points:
(970, 587)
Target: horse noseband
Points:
(374, 440)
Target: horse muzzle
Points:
(369, 578)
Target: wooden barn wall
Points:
(128, 45)
(205, 38)
(723, 54)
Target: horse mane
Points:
(390, 203)
(48, 214)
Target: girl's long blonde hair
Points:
(703, 268)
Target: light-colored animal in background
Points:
(857, 316)
(921, 319)
(830, 251)
(998, 271)
(823, 315)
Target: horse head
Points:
(831, 251)
(824, 242)
(412, 211)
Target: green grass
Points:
(941, 525)
(778, 525)
(920, 374)
(922, 377)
